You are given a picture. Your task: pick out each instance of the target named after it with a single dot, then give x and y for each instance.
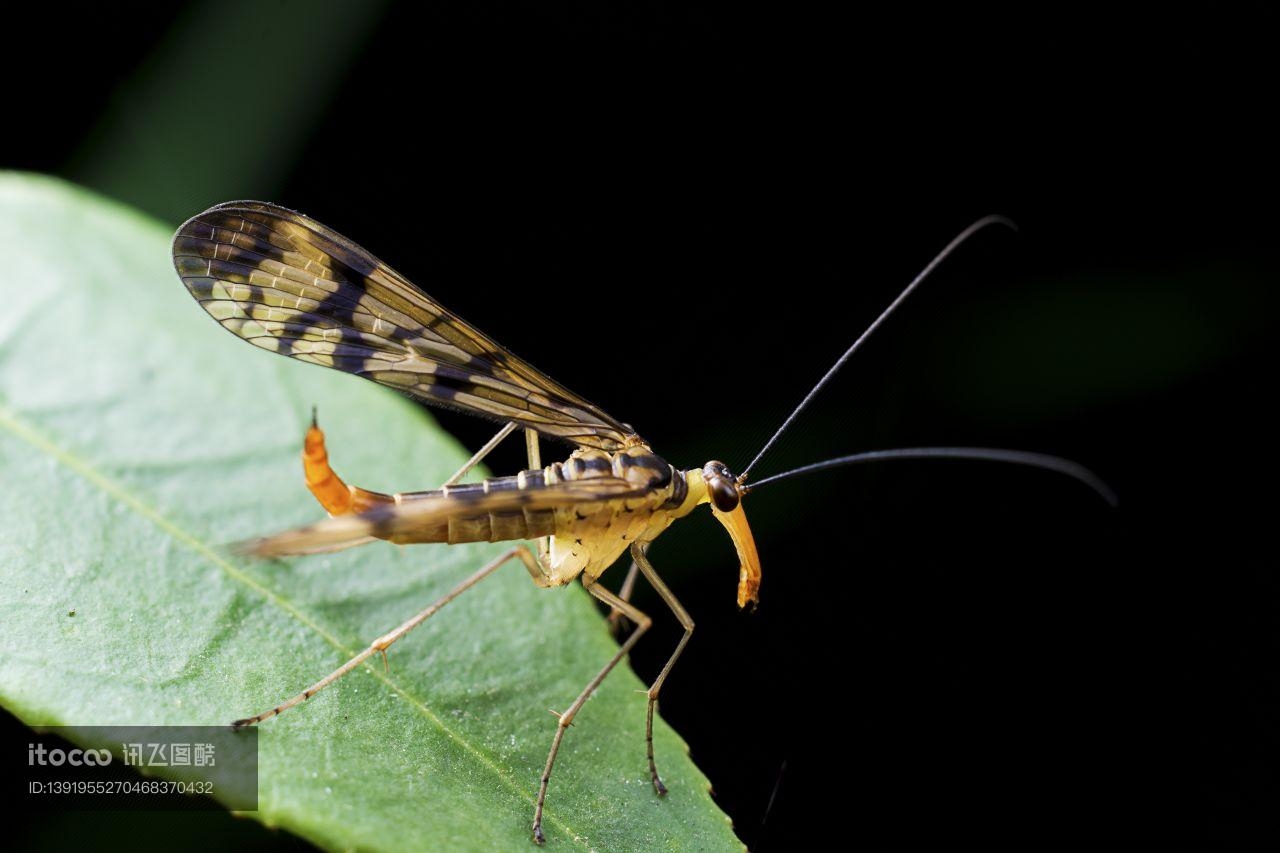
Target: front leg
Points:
(686, 621)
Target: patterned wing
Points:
(288, 284)
(426, 516)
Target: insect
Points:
(290, 285)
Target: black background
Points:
(688, 221)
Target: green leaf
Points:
(136, 436)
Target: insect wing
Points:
(288, 284)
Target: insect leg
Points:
(642, 623)
(686, 621)
(532, 446)
(535, 462)
(380, 645)
(618, 622)
(481, 454)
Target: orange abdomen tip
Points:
(327, 486)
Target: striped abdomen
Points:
(481, 526)
(593, 506)
(631, 481)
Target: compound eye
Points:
(724, 494)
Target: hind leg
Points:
(380, 645)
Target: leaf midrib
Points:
(24, 431)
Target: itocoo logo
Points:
(38, 754)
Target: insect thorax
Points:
(591, 535)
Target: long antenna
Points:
(991, 454)
(942, 256)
